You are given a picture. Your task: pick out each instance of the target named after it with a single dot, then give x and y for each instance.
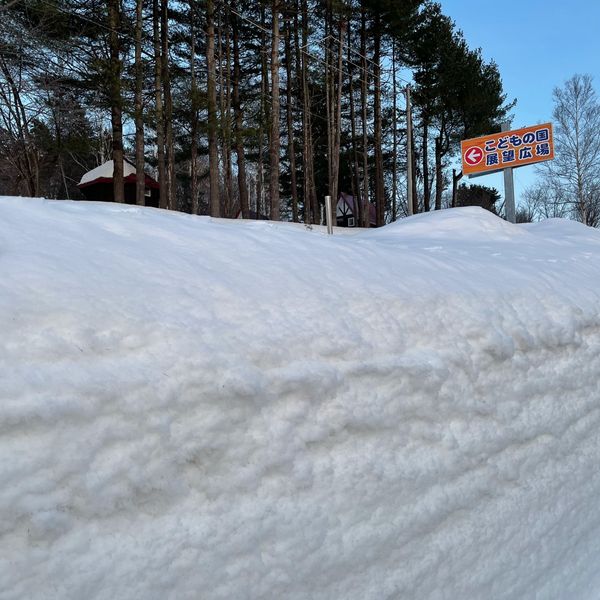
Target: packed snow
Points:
(197, 408)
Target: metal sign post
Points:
(509, 189)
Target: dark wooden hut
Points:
(347, 213)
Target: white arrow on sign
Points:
(473, 155)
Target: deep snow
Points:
(195, 408)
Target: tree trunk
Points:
(455, 179)
(365, 124)
(160, 124)
(194, 113)
(414, 179)
(356, 191)
(425, 167)
(166, 78)
(438, 173)
(264, 117)
(329, 96)
(227, 143)
(301, 78)
(239, 124)
(140, 177)
(379, 181)
(224, 69)
(310, 197)
(337, 122)
(290, 121)
(116, 101)
(213, 156)
(394, 134)
(274, 141)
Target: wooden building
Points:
(347, 213)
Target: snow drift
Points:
(195, 408)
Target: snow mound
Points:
(464, 222)
(198, 408)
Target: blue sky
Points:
(538, 45)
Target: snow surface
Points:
(106, 171)
(208, 409)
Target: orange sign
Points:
(507, 149)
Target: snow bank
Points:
(195, 408)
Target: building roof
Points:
(104, 174)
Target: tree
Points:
(203, 84)
(573, 177)
(432, 40)
(478, 195)
(546, 200)
(457, 94)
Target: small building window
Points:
(148, 192)
(351, 222)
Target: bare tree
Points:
(573, 177)
(547, 200)
(16, 142)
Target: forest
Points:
(243, 108)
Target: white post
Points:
(509, 188)
(328, 215)
(409, 153)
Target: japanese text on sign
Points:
(507, 149)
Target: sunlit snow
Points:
(210, 409)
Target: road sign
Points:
(508, 149)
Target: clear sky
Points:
(538, 45)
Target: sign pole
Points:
(509, 188)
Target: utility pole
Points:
(509, 188)
(409, 153)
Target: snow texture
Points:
(208, 409)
